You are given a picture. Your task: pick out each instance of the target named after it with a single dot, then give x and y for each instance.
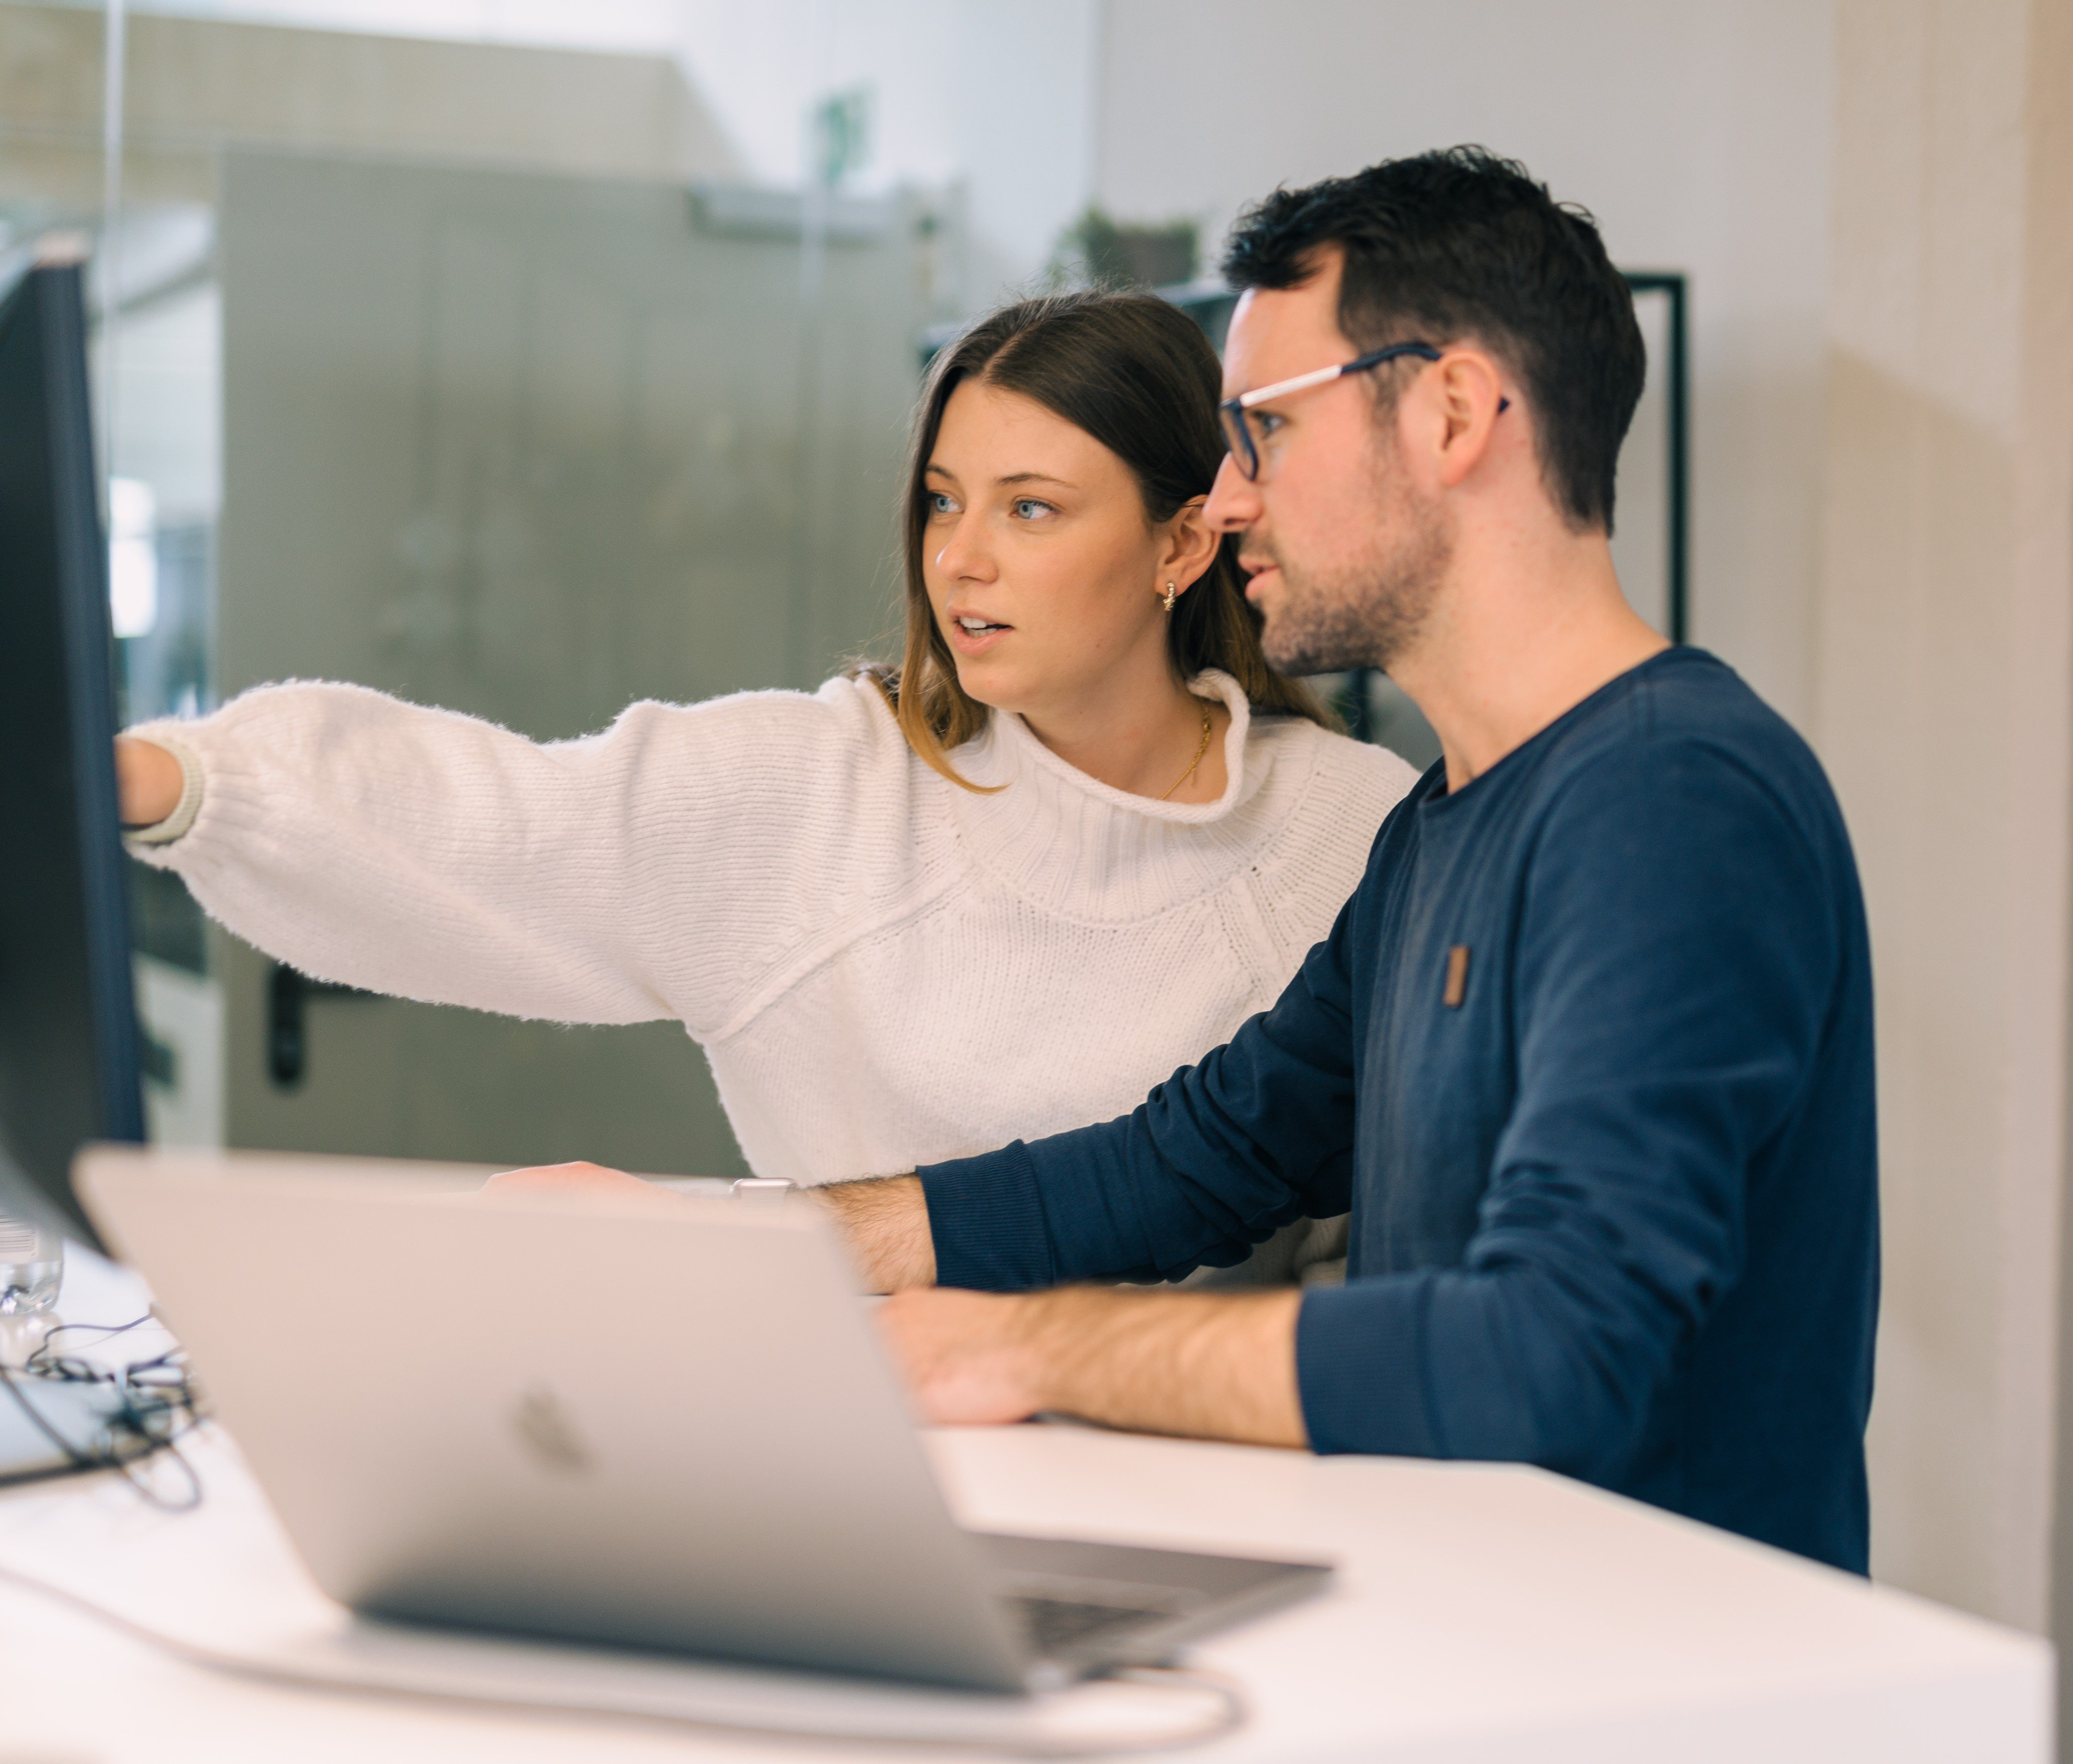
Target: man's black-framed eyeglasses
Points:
(1240, 433)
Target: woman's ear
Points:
(1191, 545)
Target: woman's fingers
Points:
(148, 781)
(584, 1179)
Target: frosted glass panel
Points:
(531, 446)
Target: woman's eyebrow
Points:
(1037, 477)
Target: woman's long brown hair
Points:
(1138, 375)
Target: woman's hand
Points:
(590, 1181)
(148, 781)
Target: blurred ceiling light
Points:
(133, 557)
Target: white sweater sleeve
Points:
(659, 869)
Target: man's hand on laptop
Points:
(1206, 1365)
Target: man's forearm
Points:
(884, 1220)
(1205, 1366)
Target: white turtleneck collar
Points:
(1008, 749)
(1075, 845)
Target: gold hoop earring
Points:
(1170, 596)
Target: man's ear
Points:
(1468, 388)
(1191, 545)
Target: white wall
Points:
(1945, 712)
(637, 26)
(988, 96)
(1696, 130)
(196, 85)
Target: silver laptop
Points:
(667, 1424)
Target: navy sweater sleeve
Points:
(1670, 992)
(1258, 1133)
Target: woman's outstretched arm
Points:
(657, 869)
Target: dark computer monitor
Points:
(69, 1038)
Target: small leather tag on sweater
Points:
(1457, 977)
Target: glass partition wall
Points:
(488, 371)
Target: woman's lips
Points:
(967, 642)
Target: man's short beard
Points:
(1367, 613)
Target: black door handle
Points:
(288, 991)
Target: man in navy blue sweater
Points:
(1589, 1055)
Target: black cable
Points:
(141, 1431)
(77, 1459)
(108, 1332)
(138, 1426)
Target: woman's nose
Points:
(964, 555)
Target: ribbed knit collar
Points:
(1073, 845)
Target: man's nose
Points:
(1233, 504)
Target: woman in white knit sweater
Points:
(1067, 846)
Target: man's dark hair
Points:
(1461, 244)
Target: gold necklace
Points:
(1202, 747)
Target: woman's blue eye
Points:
(1266, 422)
(940, 503)
(1024, 504)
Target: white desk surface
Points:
(1482, 1613)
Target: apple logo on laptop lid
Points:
(541, 1422)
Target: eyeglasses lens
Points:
(1237, 437)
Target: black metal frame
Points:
(1679, 416)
